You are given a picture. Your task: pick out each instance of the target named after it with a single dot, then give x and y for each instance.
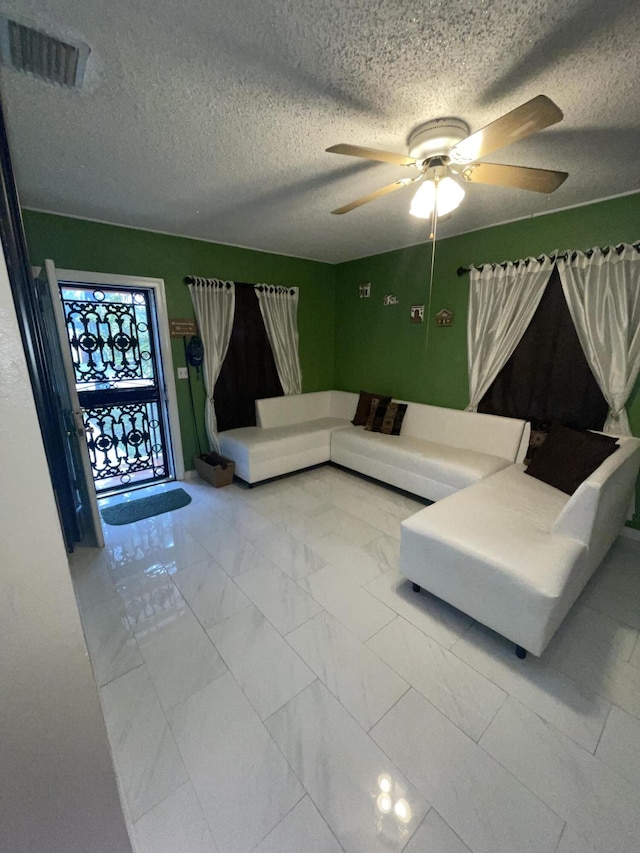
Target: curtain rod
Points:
(195, 279)
(562, 256)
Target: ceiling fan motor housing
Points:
(436, 138)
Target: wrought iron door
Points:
(114, 349)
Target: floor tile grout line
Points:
(520, 781)
(561, 836)
(257, 712)
(260, 721)
(588, 605)
(434, 809)
(308, 686)
(480, 746)
(418, 627)
(606, 720)
(337, 698)
(382, 628)
(445, 649)
(583, 685)
(577, 684)
(111, 680)
(275, 826)
(384, 713)
(169, 729)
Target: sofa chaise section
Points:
(292, 433)
(515, 553)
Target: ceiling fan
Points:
(443, 149)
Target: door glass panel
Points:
(110, 337)
(125, 443)
(113, 348)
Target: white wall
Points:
(57, 785)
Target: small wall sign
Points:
(182, 328)
(444, 317)
(417, 314)
(390, 299)
(365, 289)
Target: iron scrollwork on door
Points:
(123, 440)
(110, 339)
(114, 358)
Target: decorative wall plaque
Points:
(390, 299)
(365, 289)
(182, 328)
(417, 314)
(444, 317)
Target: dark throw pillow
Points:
(392, 421)
(536, 440)
(567, 457)
(377, 412)
(364, 407)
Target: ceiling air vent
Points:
(29, 50)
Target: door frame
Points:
(74, 427)
(166, 357)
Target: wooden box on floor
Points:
(216, 474)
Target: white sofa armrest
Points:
(597, 510)
(294, 409)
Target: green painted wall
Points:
(345, 342)
(377, 349)
(78, 244)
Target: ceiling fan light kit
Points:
(443, 149)
(442, 195)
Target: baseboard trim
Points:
(630, 533)
(191, 474)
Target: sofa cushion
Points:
(393, 417)
(568, 457)
(376, 414)
(364, 407)
(263, 444)
(450, 465)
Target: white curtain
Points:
(279, 308)
(214, 302)
(502, 302)
(602, 289)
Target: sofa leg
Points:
(416, 587)
(521, 653)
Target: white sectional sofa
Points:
(438, 452)
(508, 549)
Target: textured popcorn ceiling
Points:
(209, 118)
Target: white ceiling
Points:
(209, 118)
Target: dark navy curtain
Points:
(249, 370)
(548, 379)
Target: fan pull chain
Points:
(432, 237)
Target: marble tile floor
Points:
(270, 683)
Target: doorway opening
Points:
(112, 336)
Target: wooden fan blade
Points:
(396, 185)
(372, 154)
(521, 177)
(535, 115)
